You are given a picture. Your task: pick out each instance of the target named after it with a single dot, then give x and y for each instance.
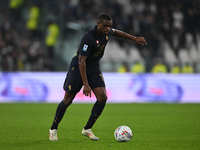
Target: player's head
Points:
(104, 24)
(103, 17)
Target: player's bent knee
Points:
(67, 102)
(68, 98)
(103, 98)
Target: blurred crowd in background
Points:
(44, 35)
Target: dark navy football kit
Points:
(92, 45)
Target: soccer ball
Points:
(123, 134)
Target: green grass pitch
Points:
(25, 126)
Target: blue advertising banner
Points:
(121, 88)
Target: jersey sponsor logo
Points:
(102, 47)
(85, 47)
(99, 52)
(106, 37)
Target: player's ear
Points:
(98, 23)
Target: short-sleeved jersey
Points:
(92, 45)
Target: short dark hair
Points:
(104, 17)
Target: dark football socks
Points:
(59, 115)
(96, 112)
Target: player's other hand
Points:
(87, 90)
(140, 40)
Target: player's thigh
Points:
(73, 83)
(100, 93)
(96, 80)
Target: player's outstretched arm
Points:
(121, 34)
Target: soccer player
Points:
(84, 71)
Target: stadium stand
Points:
(171, 29)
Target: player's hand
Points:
(87, 90)
(140, 40)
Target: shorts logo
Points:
(101, 76)
(85, 47)
(69, 87)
